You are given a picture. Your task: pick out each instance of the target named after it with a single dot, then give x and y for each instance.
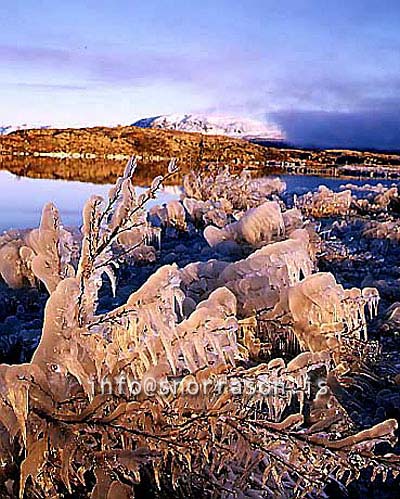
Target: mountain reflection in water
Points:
(22, 199)
(27, 183)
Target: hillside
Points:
(86, 153)
(151, 145)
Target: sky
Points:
(327, 71)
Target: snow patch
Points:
(244, 128)
(6, 129)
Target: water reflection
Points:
(31, 182)
(22, 199)
(96, 171)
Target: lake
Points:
(22, 198)
(300, 184)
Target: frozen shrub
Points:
(256, 227)
(383, 199)
(200, 278)
(62, 434)
(327, 316)
(45, 253)
(292, 220)
(325, 203)
(216, 197)
(389, 229)
(241, 191)
(378, 200)
(276, 284)
(208, 212)
(378, 188)
(259, 281)
(171, 214)
(176, 215)
(138, 245)
(13, 268)
(49, 249)
(144, 254)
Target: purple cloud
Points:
(132, 67)
(48, 86)
(17, 54)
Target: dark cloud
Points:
(329, 110)
(327, 105)
(367, 129)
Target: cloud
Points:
(329, 112)
(365, 129)
(46, 86)
(100, 67)
(127, 68)
(33, 55)
(320, 104)
(325, 110)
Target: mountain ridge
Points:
(245, 128)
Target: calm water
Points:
(22, 198)
(300, 184)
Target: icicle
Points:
(158, 238)
(179, 296)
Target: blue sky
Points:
(327, 70)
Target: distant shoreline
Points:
(98, 155)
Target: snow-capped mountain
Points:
(244, 128)
(6, 129)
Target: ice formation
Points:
(239, 192)
(325, 313)
(171, 214)
(325, 203)
(197, 326)
(256, 227)
(389, 229)
(45, 253)
(258, 280)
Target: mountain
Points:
(244, 128)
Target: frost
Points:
(327, 316)
(62, 434)
(45, 253)
(241, 191)
(256, 227)
(325, 203)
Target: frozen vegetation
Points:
(264, 323)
